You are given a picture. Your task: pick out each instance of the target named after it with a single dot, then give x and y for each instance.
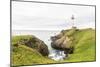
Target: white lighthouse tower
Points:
(73, 18)
(73, 22)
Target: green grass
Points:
(84, 44)
(23, 55)
(83, 41)
(15, 39)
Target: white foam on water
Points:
(59, 55)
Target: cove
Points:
(44, 35)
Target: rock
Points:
(68, 50)
(43, 49)
(34, 43)
(62, 42)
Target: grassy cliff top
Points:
(84, 45)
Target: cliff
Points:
(79, 44)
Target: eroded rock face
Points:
(62, 42)
(35, 43)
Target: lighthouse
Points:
(72, 18)
(73, 22)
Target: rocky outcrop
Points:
(34, 43)
(63, 41)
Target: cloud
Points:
(50, 16)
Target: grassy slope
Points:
(84, 43)
(23, 55)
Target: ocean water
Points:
(43, 35)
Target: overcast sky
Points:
(42, 16)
